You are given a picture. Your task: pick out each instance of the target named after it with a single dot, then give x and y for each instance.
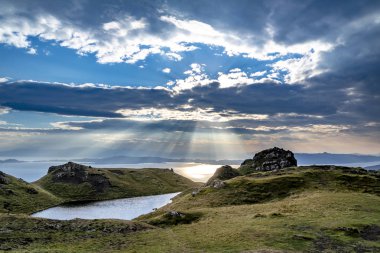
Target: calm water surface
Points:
(125, 209)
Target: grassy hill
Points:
(297, 209)
(101, 184)
(300, 209)
(18, 196)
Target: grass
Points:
(309, 209)
(307, 222)
(18, 196)
(124, 183)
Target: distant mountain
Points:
(150, 159)
(328, 158)
(373, 167)
(10, 161)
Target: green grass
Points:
(124, 183)
(307, 222)
(18, 196)
(307, 209)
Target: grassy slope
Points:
(18, 196)
(329, 211)
(124, 183)
(25, 234)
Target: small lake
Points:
(125, 209)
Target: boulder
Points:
(3, 178)
(223, 173)
(269, 160)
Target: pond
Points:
(125, 209)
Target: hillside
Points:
(297, 209)
(18, 196)
(262, 206)
(75, 182)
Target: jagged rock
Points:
(174, 214)
(3, 178)
(76, 174)
(217, 184)
(223, 173)
(269, 160)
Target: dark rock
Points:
(269, 160)
(74, 173)
(174, 218)
(3, 178)
(174, 214)
(31, 191)
(223, 173)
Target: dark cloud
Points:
(104, 102)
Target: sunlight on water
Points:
(197, 173)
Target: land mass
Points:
(268, 204)
(72, 182)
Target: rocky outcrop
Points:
(269, 160)
(74, 173)
(223, 173)
(3, 178)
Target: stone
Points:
(74, 173)
(3, 178)
(223, 173)
(269, 160)
(217, 184)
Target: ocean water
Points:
(32, 171)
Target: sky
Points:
(188, 79)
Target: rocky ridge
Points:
(269, 160)
(76, 174)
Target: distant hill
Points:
(373, 167)
(150, 159)
(11, 161)
(76, 182)
(328, 158)
(302, 158)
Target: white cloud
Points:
(299, 69)
(3, 79)
(32, 51)
(129, 39)
(187, 113)
(198, 77)
(4, 110)
(235, 77)
(259, 73)
(166, 70)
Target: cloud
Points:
(197, 76)
(4, 110)
(130, 38)
(166, 70)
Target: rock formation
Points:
(3, 178)
(223, 173)
(76, 174)
(269, 159)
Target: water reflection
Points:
(125, 209)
